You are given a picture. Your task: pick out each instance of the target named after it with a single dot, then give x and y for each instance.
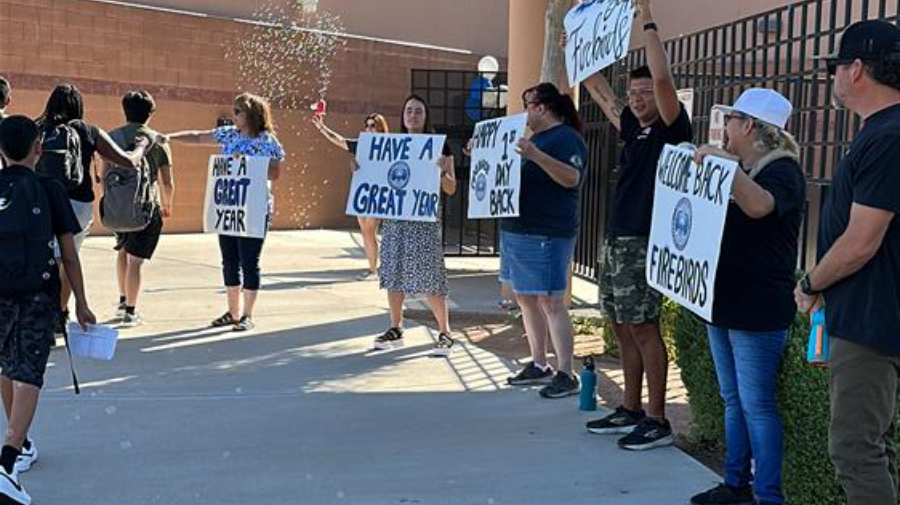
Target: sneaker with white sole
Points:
(132, 320)
(11, 490)
(444, 346)
(27, 458)
(563, 385)
(120, 310)
(391, 339)
(649, 434)
(620, 422)
(532, 375)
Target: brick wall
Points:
(107, 49)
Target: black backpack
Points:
(27, 258)
(61, 157)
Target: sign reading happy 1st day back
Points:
(599, 32)
(398, 177)
(496, 171)
(689, 211)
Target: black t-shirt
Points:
(62, 217)
(757, 264)
(865, 307)
(545, 207)
(633, 200)
(89, 135)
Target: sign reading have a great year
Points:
(689, 212)
(599, 32)
(496, 168)
(398, 177)
(237, 196)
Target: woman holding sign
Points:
(253, 134)
(754, 303)
(536, 247)
(412, 253)
(374, 123)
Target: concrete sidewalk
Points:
(300, 411)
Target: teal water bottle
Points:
(588, 395)
(818, 352)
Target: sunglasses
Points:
(832, 65)
(238, 111)
(370, 125)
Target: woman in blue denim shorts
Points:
(536, 247)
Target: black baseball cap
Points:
(866, 41)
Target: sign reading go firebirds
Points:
(689, 212)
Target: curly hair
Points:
(259, 113)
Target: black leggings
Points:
(241, 255)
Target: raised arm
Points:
(190, 137)
(332, 136)
(111, 152)
(658, 61)
(601, 92)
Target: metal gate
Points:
(458, 99)
(773, 49)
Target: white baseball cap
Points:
(763, 104)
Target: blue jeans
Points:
(747, 367)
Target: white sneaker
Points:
(11, 491)
(120, 311)
(132, 320)
(27, 458)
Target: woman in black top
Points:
(66, 106)
(374, 123)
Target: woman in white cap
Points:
(754, 305)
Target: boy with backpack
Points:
(132, 205)
(35, 216)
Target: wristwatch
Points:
(806, 287)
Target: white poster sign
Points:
(398, 177)
(599, 32)
(689, 212)
(496, 170)
(686, 96)
(237, 196)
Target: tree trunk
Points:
(553, 68)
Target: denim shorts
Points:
(535, 264)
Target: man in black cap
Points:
(857, 277)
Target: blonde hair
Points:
(768, 137)
(380, 122)
(259, 114)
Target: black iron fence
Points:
(775, 49)
(457, 100)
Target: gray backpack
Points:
(129, 195)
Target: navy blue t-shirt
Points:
(756, 274)
(545, 207)
(865, 307)
(633, 200)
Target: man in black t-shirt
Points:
(26, 316)
(857, 277)
(652, 118)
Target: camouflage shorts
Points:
(26, 336)
(625, 296)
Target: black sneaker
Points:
(531, 375)
(443, 347)
(563, 385)
(390, 339)
(620, 422)
(649, 434)
(724, 494)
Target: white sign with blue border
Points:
(689, 212)
(599, 32)
(496, 170)
(398, 177)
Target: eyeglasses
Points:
(639, 92)
(729, 117)
(526, 103)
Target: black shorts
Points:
(26, 336)
(141, 244)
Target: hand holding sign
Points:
(237, 196)
(598, 34)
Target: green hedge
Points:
(803, 398)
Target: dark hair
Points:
(417, 98)
(558, 103)
(138, 106)
(17, 137)
(65, 104)
(642, 72)
(4, 91)
(259, 113)
(886, 72)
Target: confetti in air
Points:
(287, 58)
